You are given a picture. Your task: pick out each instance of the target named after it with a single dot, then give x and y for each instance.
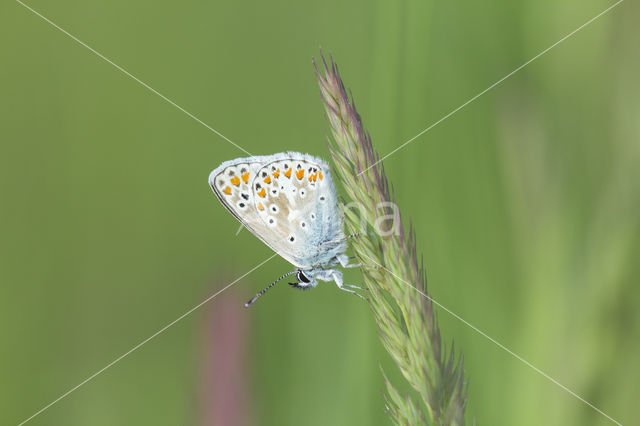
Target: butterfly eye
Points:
(302, 277)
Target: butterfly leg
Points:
(352, 286)
(337, 277)
(344, 262)
(353, 292)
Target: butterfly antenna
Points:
(246, 305)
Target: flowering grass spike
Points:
(405, 318)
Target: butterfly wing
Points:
(288, 201)
(295, 198)
(231, 183)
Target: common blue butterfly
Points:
(288, 201)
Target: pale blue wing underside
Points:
(288, 201)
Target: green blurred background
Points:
(526, 205)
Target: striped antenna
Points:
(246, 305)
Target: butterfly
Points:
(289, 202)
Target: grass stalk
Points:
(408, 329)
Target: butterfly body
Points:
(288, 201)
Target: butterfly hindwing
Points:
(288, 201)
(295, 198)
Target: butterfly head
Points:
(305, 279)
(302, 277)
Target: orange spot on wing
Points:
(227, 190)
(300, 174)
(276, 173)
(267, 179)
(313, 177)
(245, 177)
(262, 193)
(320, 175)
(287, 173)
(235, 180)
(260, 206)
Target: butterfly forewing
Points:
(231, 182)
(288, 201)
